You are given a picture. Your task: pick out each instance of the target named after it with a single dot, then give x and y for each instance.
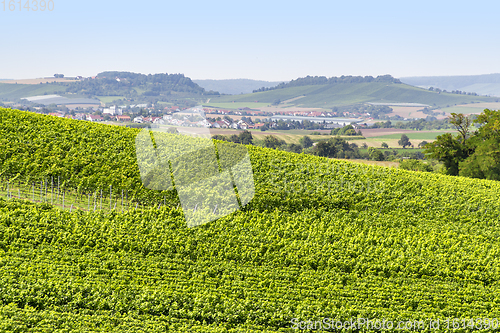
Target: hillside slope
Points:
(321, 239)
(330, 95)
(10, 92)
(123, 85)
(487, 84)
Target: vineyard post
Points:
(51, 190)
(33, 192)
(58, 188)
(110, 195)
(63, 198)
(19, 193)
(88, 205)
(41, 192)
(100, 202)
(122, 200)
(8, 189)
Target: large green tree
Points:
(306, 142)
(404, 141)
(469, 154)
(484, 160)
(449, 150)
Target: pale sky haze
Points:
(263, 40)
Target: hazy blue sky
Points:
(268, 40)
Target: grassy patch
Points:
(415, 135)
(109, 99)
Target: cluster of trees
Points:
(336, 148)
(420, 124)
(333, 148)
(459, 92)
(415, 165)
(126, 84)
(318, 80)
(346, 130)
(470, 154)
(244, 138)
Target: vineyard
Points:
(321, 238)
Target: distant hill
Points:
(327, 93)
(487, 84)
(12, 92)
(123, 85)
(234, 86)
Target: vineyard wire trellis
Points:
(45, 191)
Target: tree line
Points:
(319, 80)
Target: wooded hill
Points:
(124, 85)
(329, 92)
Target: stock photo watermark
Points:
(212, 179)
(27, 5)
(331, 324)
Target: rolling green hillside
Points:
(12, 92)
(330, 95)
(322, 238)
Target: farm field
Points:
(321, 238)
(109, 99)
(391, 136)
(417, 135)
(374, 137)
(407, 112)
(291, 136)
(474, 108)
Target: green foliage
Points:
(475, 155)
(404, 141)
(375, 154)
(484, 161)
(306, 142)
(384, 145)
(422, 144)
(449, 150)
(321, 80)
(270, 141)
(293, 148)
(244, 137)
(415, 165)
(346, 130)
(335, 147)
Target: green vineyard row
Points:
(321, 238)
